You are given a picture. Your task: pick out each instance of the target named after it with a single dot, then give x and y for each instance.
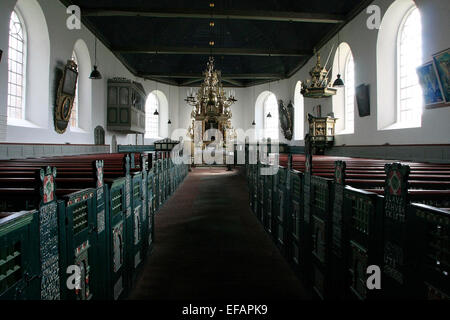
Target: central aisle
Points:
(209, 245)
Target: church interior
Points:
(223, 150)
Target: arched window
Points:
(409, 91)
(299, 107)
(74, 115)
(81, 116)
(349, 79)
(399, 95)
(271, 121)
(152, 120)
(16, 67)
(344, 100)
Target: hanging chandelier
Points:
(210, 97)
(319, 85)
(210, 103)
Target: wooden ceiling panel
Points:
(169, 40)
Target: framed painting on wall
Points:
(432, 91)
(442, 64)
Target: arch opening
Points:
(299, 111)
(83, 109)
(156, 126)
(267, 127)
(394, 76)
(344, 100)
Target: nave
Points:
(209, 245)
(345, 103)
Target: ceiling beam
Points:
(253, 76)
(233, 82)
(215, 51)
(189, 82)
(165, 80)
(219, 14)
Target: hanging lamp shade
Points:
(338, 82)
(95, 74)
(253, 123)
(156, 113)
(169, 122)
(269, 115)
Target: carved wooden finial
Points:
(127, 164)
(396, 191)
(308, 154)
(144, 162)
(396, 182)
(48, 176)
(99, 165)
(339, 172)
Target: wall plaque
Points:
(65, 96)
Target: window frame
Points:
(347, 128)
(150, 114)
(24, 74)
(299, 113)
(265, 103)
(398, 121)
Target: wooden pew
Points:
(349, 228)
(428, 246)
(95, 207)
(84, 211)
(366, 217)
(20, 263)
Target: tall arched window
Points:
(409, 91)
(271, 122)
(16, 67)
(349, 94)
(299, 109)
(74, 115)
(399, 96)
(152, 120)
(344, 100)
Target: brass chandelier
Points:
(210, 97)
(210, 103)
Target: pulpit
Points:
(321, 131)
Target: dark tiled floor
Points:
(209, 245)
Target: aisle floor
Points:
(209, 245)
